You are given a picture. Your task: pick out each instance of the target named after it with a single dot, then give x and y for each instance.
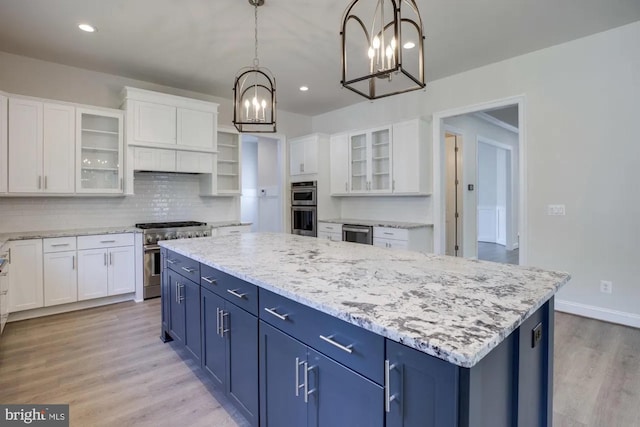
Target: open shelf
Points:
(100, 169)
(106, 150)
(105, 132)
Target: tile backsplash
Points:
(158, 197)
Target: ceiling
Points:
(199, 45)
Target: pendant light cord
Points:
(256, 62)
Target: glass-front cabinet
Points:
(99, 151)
(370, 161)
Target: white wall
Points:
(33, 77)
(581, 130)
(159, 197)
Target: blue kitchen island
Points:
(300, 331)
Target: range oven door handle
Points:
(150, 248)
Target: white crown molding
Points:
(486, 117)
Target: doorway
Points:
(496, 233)
(500, 125)
(261, 203)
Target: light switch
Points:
(555, 210)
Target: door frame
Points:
(282, 178)
(439, 181)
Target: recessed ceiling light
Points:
(304, 88)
(409, 45)
(88, 28)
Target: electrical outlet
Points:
(536, 335)
(606, 286)
(555, 210)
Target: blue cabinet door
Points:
(242, 360)
(422, 388)
(176, 307)
(213, 344)
(190, 293)
(279, 370)
(340, 396)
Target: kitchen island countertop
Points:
(452, 308)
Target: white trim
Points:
(599, 313)
(489, 118)
(438, 169)
(64, 308)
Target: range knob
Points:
(149, 239)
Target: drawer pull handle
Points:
(55, 245)
(188, 269)
(209, 280)
(329, 339)
(298, 385)
(172, 261)
(388, 234)
(107, 241)
(275, 313)
(234, 231)
(4, 292)
(388, 398)
(235, 293)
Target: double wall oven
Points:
(152, 233)
(304, 209)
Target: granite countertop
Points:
(376, 223)
(452, 308)
(23, 235)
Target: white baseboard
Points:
(57, 309)
(599, 313)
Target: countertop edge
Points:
(463, 360)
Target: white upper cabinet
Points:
(154, 123)
(370, 161)
(59, 148)
(160, 120)
(4, 148)
(339, 162)
(195, 128)
(41, 147)
(391, 160)
(99, 151)
(303, 155)
(411, 157)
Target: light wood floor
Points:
(111, 367)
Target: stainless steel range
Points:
(152, 233)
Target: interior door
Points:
(453, 214)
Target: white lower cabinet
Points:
(412, 239)
(106, 270)
(60, 270)
(26, 277)
(330, 231)
(4, 296)
(92, 274)
(121, 272)
(232, 229)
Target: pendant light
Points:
(382, 48)
(254, 93)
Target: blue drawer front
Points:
(354, 347)
(183, 266)
(237, 291)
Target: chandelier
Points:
(382, 48)
(254, 93)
